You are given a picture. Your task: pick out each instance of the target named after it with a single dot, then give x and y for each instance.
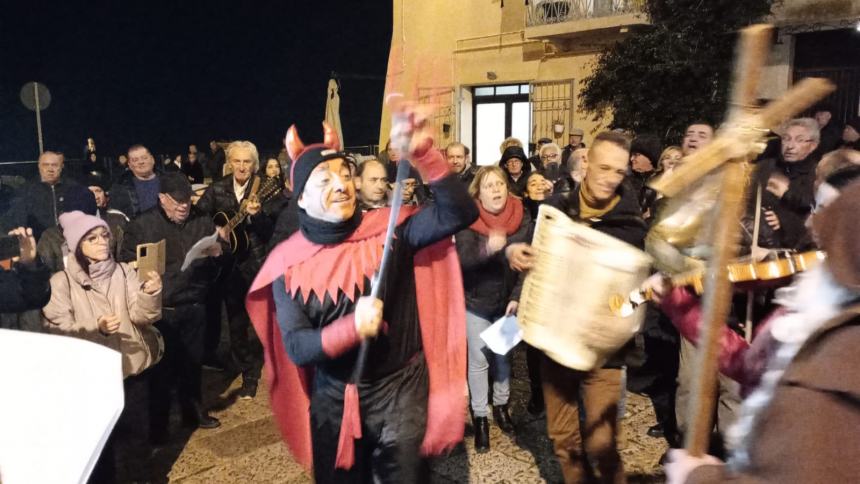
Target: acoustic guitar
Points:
(238, 236)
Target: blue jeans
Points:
(482, 361)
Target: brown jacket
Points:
(810, 432)
(76, 304)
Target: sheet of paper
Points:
(197, 250)
(57, 415)
(502, 335)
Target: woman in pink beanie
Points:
(98, 299)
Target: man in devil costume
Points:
(311, 309)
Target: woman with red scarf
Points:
(491, 290)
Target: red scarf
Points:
(508, 220)
(441, 314)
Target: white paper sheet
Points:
(61, 398)
(502, 335)
(197, 250)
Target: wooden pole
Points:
(717, 301)
(736, 143)
(752, 53)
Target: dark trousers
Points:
(599, 392)
(213, 322)
(660, 370)
(533, 362)
(393, 421)
(183, 330)
(104, 472)
(244, 345)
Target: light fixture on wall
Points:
(492, 75)
(446, 130)
(557, 128)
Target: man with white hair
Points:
(788, 182)
(229, 195)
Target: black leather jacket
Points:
(221, 197)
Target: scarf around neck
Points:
(327, 233)
(508, 220)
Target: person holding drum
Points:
(606, 204)
(491, 291)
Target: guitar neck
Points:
(264, 194)
(237, 219)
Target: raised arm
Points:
(451, 211)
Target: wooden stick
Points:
(717, 301)
(803, 95)
(753, 48)
(718, 290)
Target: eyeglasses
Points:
(550, 156)
(93, 238)
(796, 140)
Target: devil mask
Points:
(322, 178)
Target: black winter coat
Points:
(180, 287)
(489, 282)
(221, 197)
(624, 222)
(37, 206)
(123, 195)
(794, 206)
(24, 287)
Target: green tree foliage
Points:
(677, 70)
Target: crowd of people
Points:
(301, 235)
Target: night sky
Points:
(170, 73)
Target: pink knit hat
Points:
(76, 224)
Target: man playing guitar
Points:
(234, 202)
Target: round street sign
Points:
(28, 96)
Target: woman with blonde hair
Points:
(491, 291)
(670, 159)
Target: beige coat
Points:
(76, 304)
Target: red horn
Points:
(330, 138)
(293, 143)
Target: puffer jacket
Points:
(488, 281)
(77, 303)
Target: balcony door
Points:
(498, 112)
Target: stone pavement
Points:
(248, 448)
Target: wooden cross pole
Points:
(735, 144)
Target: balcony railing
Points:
(545, 12)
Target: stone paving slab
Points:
(248, 448)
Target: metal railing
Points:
(545, 12)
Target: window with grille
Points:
(552, 104)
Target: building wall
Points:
(457, 44)
(460, 44)
(796, 16)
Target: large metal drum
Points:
(564, 307)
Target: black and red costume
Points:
(410, 401)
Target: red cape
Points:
(441, 313)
